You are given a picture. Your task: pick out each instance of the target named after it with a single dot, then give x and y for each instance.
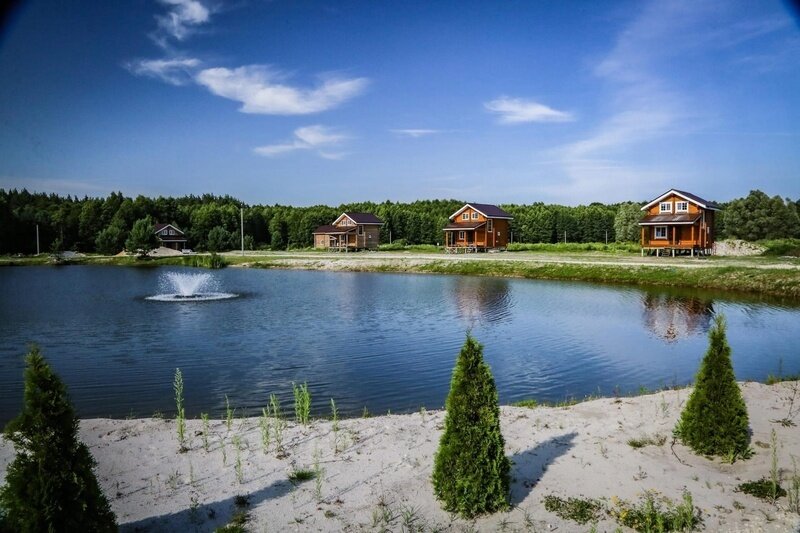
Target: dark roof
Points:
(364, 218)
(159, 227)
(670, 219)
(489, 210)
(456, 226)
(334, 229)
(689, 196)
(710, 205)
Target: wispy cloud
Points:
(181, 20)
(518, 111)
(262, 90)
(176, 71)
(414, 133)
(317, 138)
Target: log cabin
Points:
(678, 222)
(477, 227)
(170, 236)
(350, 232)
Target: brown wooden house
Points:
(349, 232)
(170, 236)
(477, 227)
(678, 222)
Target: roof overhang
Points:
(344, 215)
(464, 227)
(470, 206)
(670, 220)
(334, 231)
(678, 193)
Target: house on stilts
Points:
(678, 222)
(477, 228)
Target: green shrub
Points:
(778, 247)
(764, 488)
(714, 421)
(471, 471)
(576, 509)
(652, 515)
(50, 484)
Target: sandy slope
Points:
(381, 476)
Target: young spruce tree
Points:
(471, 471)
(50, 485)
(714, 421)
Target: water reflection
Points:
(482, 300)
(672, 317)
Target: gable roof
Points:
(159, 227)
(360, 218)
(330, 229)
(487, 210)
(705, 204)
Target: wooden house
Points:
(477, 227)
(170, 236)
(351, 231)
(678, 222)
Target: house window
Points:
(681, 207)
(665, 207)
(489, 226)
(474, 216)
(172, 232)
(465, 216)
(660, 232)
(361, 230)
(462, 235)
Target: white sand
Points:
(381, 478)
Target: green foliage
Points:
(781, 247)
(652, 515)
(560, 247)
(471, 471)
(180, 413)
(759, 217)
(626, 223)
(141, 238)
(576, 509)
(714, 421)
(764, 488)
(647, 440)
(530, 403)
(302, 403)
(50, 484)
(110, 241)
(219, 239)
(303, 474)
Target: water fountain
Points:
(182, 287)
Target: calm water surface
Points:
(383, 341)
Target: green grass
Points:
(301, 475)
(580, 510)
(781, 247)
(560, 247)
(653, 514)
(765, 489)
(646, 440)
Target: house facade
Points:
(350, 232)
(170, 236)
(678, 222)
(477, 227)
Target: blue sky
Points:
(302, 102)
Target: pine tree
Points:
(50, 485)
(714, 421)
(471, 471)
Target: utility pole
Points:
(37, 239)
(565, 236)
(606, 237)
(241, 224)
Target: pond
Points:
(380, 341)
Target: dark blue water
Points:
(384, 341)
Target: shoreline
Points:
(380, 475)
(751, 276)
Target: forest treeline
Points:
(212, 222)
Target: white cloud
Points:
(517, 111)
(183, 17)
(261, 90)
(317, 138)
(414, 133)
(177, 71)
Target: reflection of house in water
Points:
(481, 299)
(674, 317)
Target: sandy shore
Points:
(380, 477)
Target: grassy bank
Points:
(783, 283)
(201, 261)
